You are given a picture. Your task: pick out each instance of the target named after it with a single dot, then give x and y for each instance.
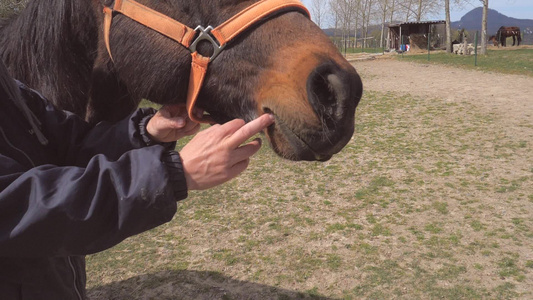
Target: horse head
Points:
(284, 65)
(494, 40)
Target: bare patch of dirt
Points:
(510, 96)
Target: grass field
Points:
(515, 61)
(361, 50)
(429, 200)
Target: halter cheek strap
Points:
(185, 35)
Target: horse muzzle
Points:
(315, 121)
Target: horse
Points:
(283, 64)
(504, 32)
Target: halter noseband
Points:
(189, 38)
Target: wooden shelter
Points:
(415, 35)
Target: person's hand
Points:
(171, 123)
(215, 155)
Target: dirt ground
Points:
(510, 96)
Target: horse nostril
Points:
(322, 89)
(328, 89)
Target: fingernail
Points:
(180, 121)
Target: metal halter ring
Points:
(205, 34)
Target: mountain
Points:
(471, 21)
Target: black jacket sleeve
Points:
(77, 141)
(99, 186)
(51, 210)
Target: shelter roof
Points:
(418, 23)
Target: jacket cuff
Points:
(172, 161)
(147, 139)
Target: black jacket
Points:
(86, 190)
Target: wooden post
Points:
(401, 39)
(475, 49)
(429, 40)
(465, 45)
(401, 42)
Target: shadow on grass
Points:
(187, 284)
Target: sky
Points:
(519, 9)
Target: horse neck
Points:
(50, 46)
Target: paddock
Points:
(432, 198)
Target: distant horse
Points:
(283, 64)
(504, 32)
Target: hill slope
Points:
(471, 21)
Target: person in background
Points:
(68, 189)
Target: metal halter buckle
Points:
(205, 34)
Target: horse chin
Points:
(297, 144)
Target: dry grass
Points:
(509, 60)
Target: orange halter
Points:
(219, 37)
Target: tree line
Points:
(354, 17)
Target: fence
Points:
(359, 45)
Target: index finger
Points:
(250, 129)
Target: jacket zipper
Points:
(13, 146)
(75, 278)
(33, 164)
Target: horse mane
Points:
(48, 47)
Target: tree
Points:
(384, 7)
(449, 45)
(345, 12)
(484, 27)
(318, 10)
(333, 8)
(419, 11)
(356, 7)
(407, 7)
(447, 4)
(392, 10)
(416, 10)
(366, 10)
